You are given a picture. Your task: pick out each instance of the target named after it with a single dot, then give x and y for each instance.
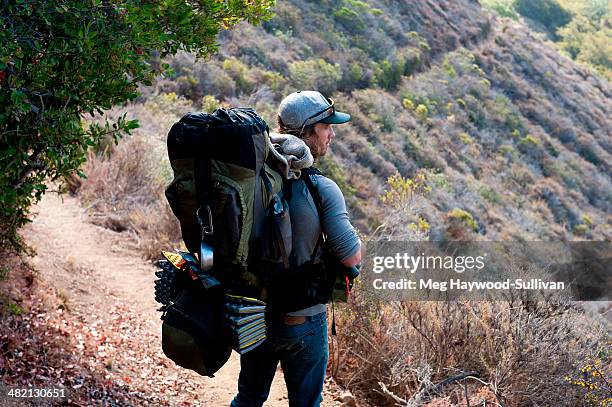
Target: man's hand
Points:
(354, 259)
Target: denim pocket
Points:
(293, 338)
(314, 342)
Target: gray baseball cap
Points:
(305, 107)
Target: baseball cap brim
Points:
(336, 118)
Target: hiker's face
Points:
(322, 137)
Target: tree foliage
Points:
(61, 60)
(588, 38)
(549, 13)
(580, 28)
(315, 74)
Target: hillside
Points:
(506, 128)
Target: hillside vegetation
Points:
(580, 28)
(507, 129)
(486, 129)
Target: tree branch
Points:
(28, 168)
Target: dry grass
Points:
(521, 350)
(517, 352)
(125, 184)
(124, 191)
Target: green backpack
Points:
(225, 195)
(228, 200)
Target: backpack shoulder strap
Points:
(308, 175)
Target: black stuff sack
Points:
(194, 333)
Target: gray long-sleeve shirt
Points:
(306, 226)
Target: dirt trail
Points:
(92, 267)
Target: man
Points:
(299, 339)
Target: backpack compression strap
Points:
(203, 186)
(202, 176)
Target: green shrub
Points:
(364, 8)
(239, 72)
(531, 146)
(439, 180)
(331, 169)
(422, 112)
(355, 72)
(413, 58)
(210, 104)
(449, 68)
(315, 74)
(15, 309)
(587, 40)
(552, 149)
(507, 151)
(503, 7)
(286, 17)
(490, 194)
(464, 217)
(380, 107)
(388, 73)
(529, 140)
(475, 111)
(350, 19)
(187, 86)
(465, 138)
(408, 104)
(169, 104)
(274, 80)
(580, 229)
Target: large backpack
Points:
(225, 194)
(228, 199)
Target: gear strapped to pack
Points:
(222, 198)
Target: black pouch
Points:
(194, 334)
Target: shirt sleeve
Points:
(342, 236)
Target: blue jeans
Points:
(302, 351)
